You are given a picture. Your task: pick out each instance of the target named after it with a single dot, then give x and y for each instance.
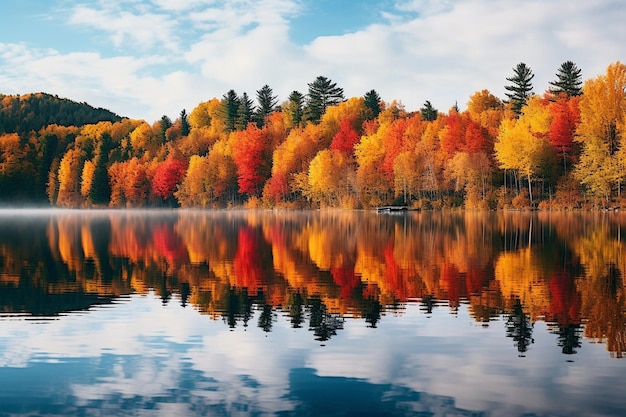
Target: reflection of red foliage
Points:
(476, 280)
(247, 262)
(346, 279)
(169, 245)
(451, 281)
(565, 300)
(394, 275)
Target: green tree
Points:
(522, 87)
(245, 112)
(184, 123)
(429, 113)
(266, 101)
(230, 110)
(323, 93)
(295, 107)
(100, 192)
(372, 102)
(164, 124)
(569, 80)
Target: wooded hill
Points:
(561, 149)
(31, 112)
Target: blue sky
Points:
(147, 58)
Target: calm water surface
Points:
(185, 313)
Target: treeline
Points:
(560, 149)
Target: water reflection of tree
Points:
(569, 338)
(238, 308)
(323, 324)
(295, 305)
(266, 318)
(519, 328)
(372, 309)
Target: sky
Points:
(147, 58)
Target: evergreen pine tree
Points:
(522, 87)
(372, 102)
(569, 80)
(164, 124)
(266, 104)
(230, 110)
(322, 94)
(245, 112)
(184, 123)
(100, 193)
(429, 113)
(296, 107)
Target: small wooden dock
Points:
(391, 209)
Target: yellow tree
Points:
(522, 144)
(87, 179)
(328, 179)
(70, 170)
(373, 187)
(601, 131)
(194, 190)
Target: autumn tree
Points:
(17, 169)
(323, 93)
(167, 176)
(568, 81)
(252, 155)
(521, 87)
(266, 104)
(328, 178)
(565, 118)
(69, 176)
(522, 144)
(602, 123)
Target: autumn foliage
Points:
(556, 151)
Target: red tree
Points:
(565, 117)
(167, 176)
(252, 156)
(345, 139)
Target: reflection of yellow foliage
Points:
(520, 276)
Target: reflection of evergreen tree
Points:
(185, 291)
(372, 309)
(569, 338)
(266, 318)
(519, 327)
(295, 304)
(427, 304)
(323, 324)
(238, 307)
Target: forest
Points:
(559, 150)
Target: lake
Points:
(319, 313)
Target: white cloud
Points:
(145, 30)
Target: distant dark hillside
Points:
(23, 113)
